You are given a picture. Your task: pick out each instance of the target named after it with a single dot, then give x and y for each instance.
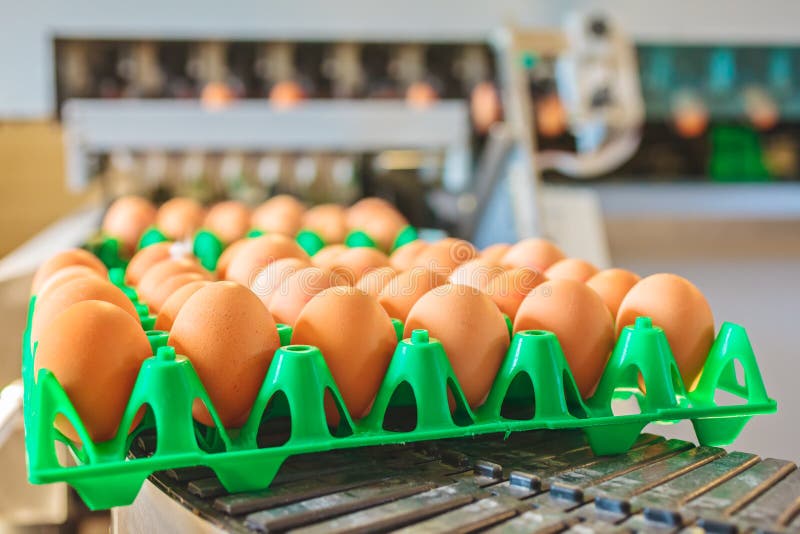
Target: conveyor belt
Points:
(532, 482)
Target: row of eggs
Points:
(342, 301)
(127, 218)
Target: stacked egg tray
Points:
(419, 399)
(208, 247)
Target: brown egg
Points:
(227, 255)
(421, 94)
(281, 214)
(326, 257)
(509, 288)
(268, 281)
(612, 285)
(161, 271)
(495, 253)
(328, 221)
(297, 290)
(286, 94)
(403, 258)
(535, 253)
(230, 338)
(229, 220)
(356, 262)
(472, 331)
(484, 106)
(357, 339)
(445, 255)
(373, 281)
(77, 290)
(551, 116)
(180, 217)
(67, 258)
(126, 220)
(149, 256)
(95, 350)
(173, 304)
(571, 269)
(169, 286)
(378, 219)
(362, 211)
(404, 290)
(67, 274)
(580, 320)
(677, 306)
(255, 254)
(477, 273)
(216, 95)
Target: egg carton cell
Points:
(533, 389)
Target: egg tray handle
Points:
(419, 362)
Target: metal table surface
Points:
(542, 481)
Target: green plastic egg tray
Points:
(208, 247)
(533, 389)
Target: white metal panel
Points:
(27, 28)
(346, 125)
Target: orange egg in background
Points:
(157, 274)
(484, 105)
(126, 220)
(230, 338)
(571, 269)
(612, 285)
(421, 94)
(72, 292)
(357, 339)
(325, 258)
(356, 262)
(169, 286)
(445, 255)
(180, 217)
(509, 288)
(225, 258)
(477, 273)
(67, 274)
(256, 253)
(229, 220)
(378, 219)
(286, 94)
(536, 253)
(495, 253)
(579, 318)
(472, 331)
(217, 95)
(400, 294)
(281, 214)
(327, 221)
(146, 258)
(677, 306)
(298, 289)
(77, 348)
(361, 212)
(75, 256)
(269, 279)
(375, 280)
(403, 257)
(174, 303)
